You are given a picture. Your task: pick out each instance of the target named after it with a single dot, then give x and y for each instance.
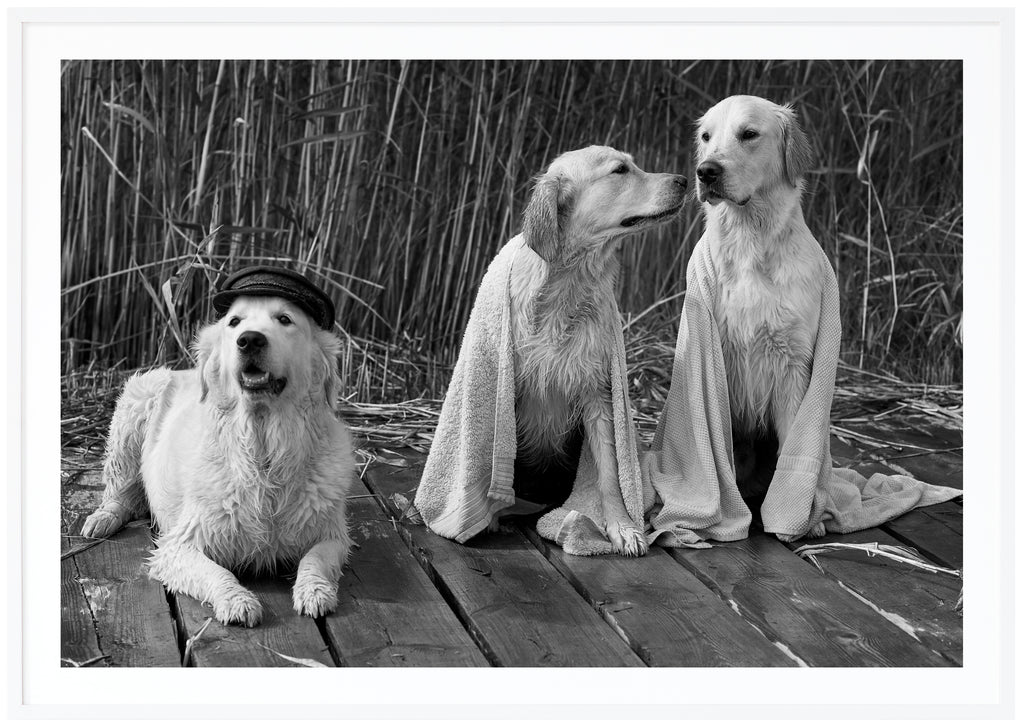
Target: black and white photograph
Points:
(578, 361)
(512, 363)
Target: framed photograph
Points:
(625, 347)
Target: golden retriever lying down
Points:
(241, 462)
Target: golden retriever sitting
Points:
(241, 462)
(563, 318)
(751, 158)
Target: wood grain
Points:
(936, 531)
(389, 613)
(282, 633)
(133, 620)
(796, 606)
(918, 602)
(79, 644)
(516, 605)
(663, 611)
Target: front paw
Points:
(626, 539)
(314, 596)
(238, 607)
(101, 524)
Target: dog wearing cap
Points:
(241, 461)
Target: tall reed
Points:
(393, 183)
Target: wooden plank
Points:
(518, 608)
(663, 611)
(389, 613)
(133, 619)
(281, 634)
(918, 602)
(935, 467)
(80, 494)
(130, 613)
(935, 531)
(79, 645)
(800, 609)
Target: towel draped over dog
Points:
(468, 476)
(690, 464)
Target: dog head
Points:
(747, 146)
(591, 196)
(267, 350)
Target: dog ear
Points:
(328, 349)
(797, 155)
(541, 219)
(207, 353)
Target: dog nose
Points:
(679, 180)
(251, 341)
(709, 172)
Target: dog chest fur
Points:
(274, 499)
(766, 310)
(561, 324)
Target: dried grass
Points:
(393, 421)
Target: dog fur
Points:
(564, 310)
(241, 462)
(751, 156)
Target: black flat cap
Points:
(279, 282)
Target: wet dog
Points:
(241, 461)
(563, 318)
(751, 156)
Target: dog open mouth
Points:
(639, 219)
(255, 379)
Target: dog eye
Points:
(284, 320)
(235, 320)
(705, 136)
(621, 169)
(749, 134)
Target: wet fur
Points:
(564, 313)
(563, 352)
(767, 263)
(235, 485)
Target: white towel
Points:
(690, 464)
(467, 480)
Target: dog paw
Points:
(101, 524)
(239, 607)
(817, 531)
(627, 539)
(314, 597)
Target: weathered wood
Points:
(132, 617)
(936, 531)
(281, 634)
(663, 611)
(935, 467)
(916, 601)
(800, 609)
(516, 605)
(80, 494)
(78, 642)
(389, 613)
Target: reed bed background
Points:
(393, 184)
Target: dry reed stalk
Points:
(408, 176)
